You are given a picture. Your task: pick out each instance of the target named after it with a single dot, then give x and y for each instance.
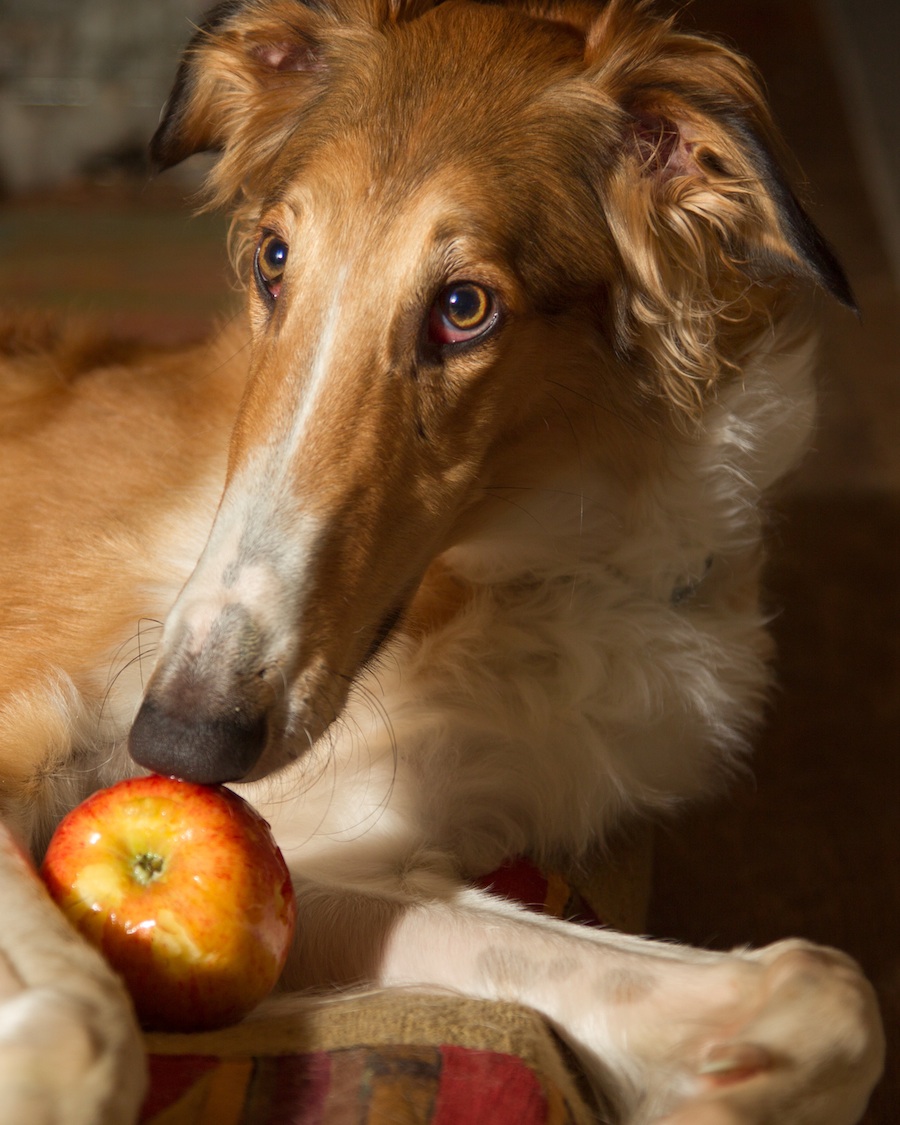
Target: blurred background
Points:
(83, 226)
(81, 85)
(809, 844)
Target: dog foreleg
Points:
(790, 1033)
(70, 1049)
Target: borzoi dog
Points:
(449, 551)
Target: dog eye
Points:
(270, 262)
(462, 312)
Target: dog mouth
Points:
(385, 630)
(195, 726)
(236, 734)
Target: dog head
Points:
(449, 211)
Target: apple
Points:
(184, 890)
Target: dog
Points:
(449, 552)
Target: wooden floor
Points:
(810, 845)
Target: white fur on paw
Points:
(10, 981)
(57, 1068)
(723, 1064)
(806, 1051)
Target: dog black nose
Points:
(206, 750)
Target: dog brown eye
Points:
(462, 312)
(271, 259)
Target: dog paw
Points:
(804, 1047)
(67, 1056)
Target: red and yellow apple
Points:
(184, 890)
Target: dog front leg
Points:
(671, 1034)
(70, 1049)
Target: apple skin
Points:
(184, 890)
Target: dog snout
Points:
(205, 715)
(206, 749)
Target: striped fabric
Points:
(402, 1084)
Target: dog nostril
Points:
(208, 751)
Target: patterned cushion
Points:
(402, 1084)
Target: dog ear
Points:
(244, 57)
(706, 225)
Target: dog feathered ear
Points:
(249, 70)
(706, 224)
(246, 62)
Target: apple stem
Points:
(146, 867)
